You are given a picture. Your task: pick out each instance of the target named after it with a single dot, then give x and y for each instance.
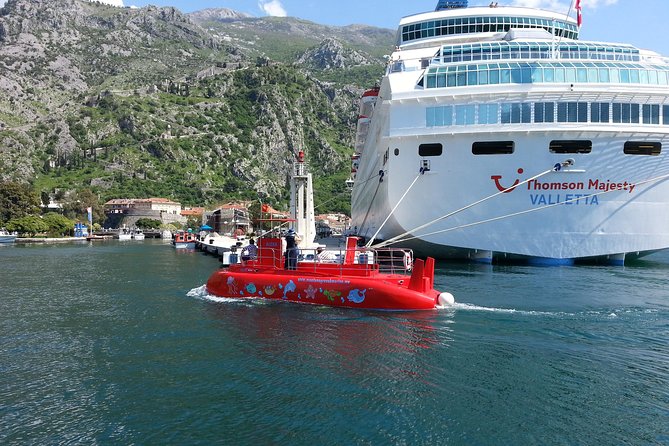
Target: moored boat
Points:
(184, 240)
(7, 237)
(495, 134)
(367, 279)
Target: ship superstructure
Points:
(496, 133)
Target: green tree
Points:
(76, 206)
(17, 200)
(28, 225)
(58, 225)
(148, 223)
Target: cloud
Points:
(2, 3)
(273, 8)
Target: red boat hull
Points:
(381, 293)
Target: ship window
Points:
(544, 112)
(492, 148)
(624, 113)
(665, 114)
(465, 114)
(599, 112)
(571, 146)
(651, 114)
(573, 112)
(433, 149)
(488, 114)
(642, 148)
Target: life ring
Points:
(407, 261)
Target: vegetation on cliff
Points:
(138, 103)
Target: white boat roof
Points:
(486, 12)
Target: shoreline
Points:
(26, 240)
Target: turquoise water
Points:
(116, 343)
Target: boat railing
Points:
(338, 261)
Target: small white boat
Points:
(7, 237)
(124, 234)
(137, 234)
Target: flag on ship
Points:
(579, 16)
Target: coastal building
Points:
(126, 211)
(331, 224)
(230, 218)
(195, 213)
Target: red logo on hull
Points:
(503, 189)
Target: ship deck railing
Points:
(360, 261)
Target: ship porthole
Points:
(397, 152)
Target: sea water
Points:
(118, 343)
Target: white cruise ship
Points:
(496, 134)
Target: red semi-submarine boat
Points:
(353, 276)
(388, 279)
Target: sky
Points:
(638, 22)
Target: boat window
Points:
(433, 149)
(599, 112)
(571, 146)
(625, 113)
(651, 113)
(665, 114)
(642, 148)
(544, 112)
(492, 147)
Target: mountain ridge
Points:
(147, 101)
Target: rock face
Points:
(331, 54)
(217, 15)
(146, 98)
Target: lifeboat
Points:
(354, 277)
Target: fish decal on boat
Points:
(289, 288)
(356, 296)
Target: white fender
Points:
(445, 299)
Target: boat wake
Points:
(606, 313)
(202, 294)
(470, 307)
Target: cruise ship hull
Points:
(603, 206)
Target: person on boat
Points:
(291, 250)
(250, 252)
(324, 256)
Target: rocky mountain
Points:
(217, 15)
(285, 39)
(331, 54)
(198, 107)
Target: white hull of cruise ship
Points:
(583, 190)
